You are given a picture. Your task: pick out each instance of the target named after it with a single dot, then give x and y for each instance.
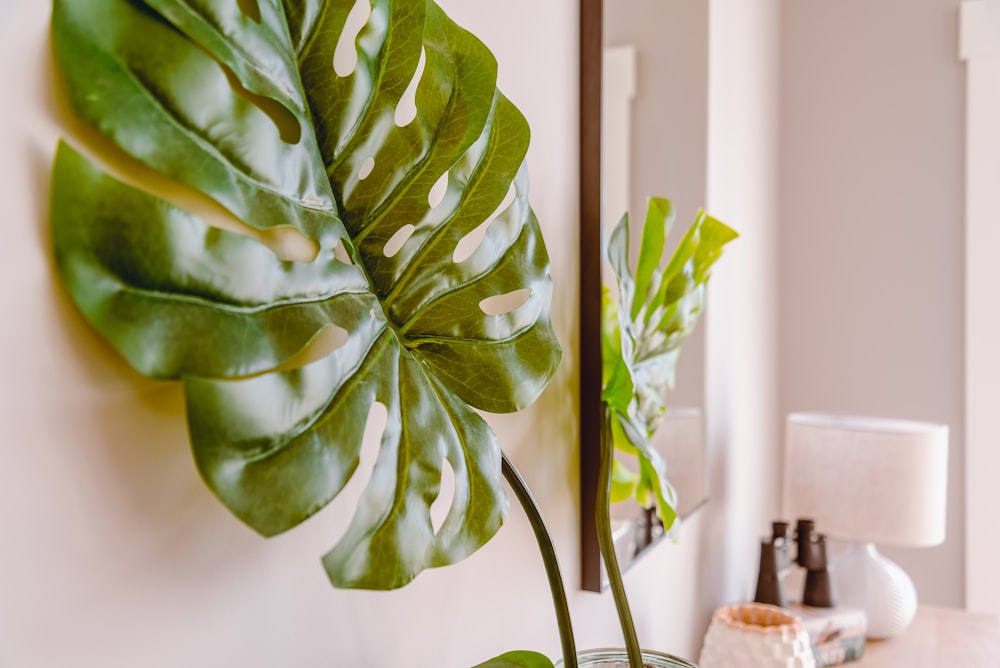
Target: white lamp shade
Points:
(867, 479)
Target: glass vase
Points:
(618, 658)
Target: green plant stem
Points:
(548, 552)
(607, 543)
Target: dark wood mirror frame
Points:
(591, 35)
(646, 531)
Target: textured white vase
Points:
(755, 635)
(877, 585)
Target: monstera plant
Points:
(372, 132)
(376, 257)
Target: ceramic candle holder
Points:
(756, 635)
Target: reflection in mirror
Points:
(680, 441)
(644, 101)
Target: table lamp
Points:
(865, 481)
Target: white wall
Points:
(114, 554)
(872, 206)
(981, 53)
(742, 313)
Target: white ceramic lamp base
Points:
(867, 580)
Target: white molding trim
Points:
(618, 89)
(980, 29)
(980, 48)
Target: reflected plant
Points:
(657, 309)
(642, 332)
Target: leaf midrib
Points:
(161, 295)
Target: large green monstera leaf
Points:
(642, 332)
(299, 115)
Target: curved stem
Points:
(606, 541)
(548, 552)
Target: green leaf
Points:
(618, 244)
(249, 109)
(517, 659)
(624, 434)
(616, 376)
(654, 489)
(164, 100)
(682, 295)
(623, 482)
(178, 297)
(659, 219)
(642, 336)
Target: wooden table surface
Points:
(938, 637)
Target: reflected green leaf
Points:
(623, 482)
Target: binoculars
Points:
(776, 560)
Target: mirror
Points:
(643, 132)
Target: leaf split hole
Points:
(288, 126)
(366, 168)
(250, 9)
(396, 241)
(371, 441)
(445, 498)
(505, 303)
(328, 339)
(468, 244)
(406, 108)
(438, 191)
(103, 152)
(345, 55)
(340, 252)
(289, 244)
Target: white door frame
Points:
(980, 49)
